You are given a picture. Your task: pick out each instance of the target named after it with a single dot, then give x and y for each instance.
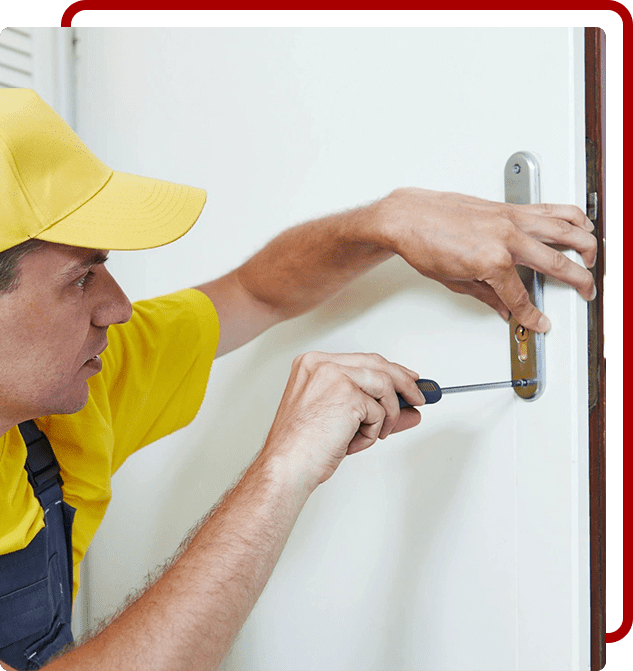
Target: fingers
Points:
(409, 417)
(358, 359)
(574, 215)
(537, 227)
(552, 262)
(567, 229)
(379, 381)
(386, 396)
(370, 428)
(508, 285)
(373, 385)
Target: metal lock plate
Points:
(527, 348)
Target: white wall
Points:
(39, 58)
(462, 544)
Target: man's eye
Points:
(84, 281)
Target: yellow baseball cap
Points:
(52, 187)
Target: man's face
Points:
(51, 329)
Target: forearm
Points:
(189, 618)
(309, 263)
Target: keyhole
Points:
(522, 334)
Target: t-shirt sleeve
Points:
(156, 368)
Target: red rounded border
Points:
(610, 5)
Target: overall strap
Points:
(41, 464)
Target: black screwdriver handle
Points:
(430, 389)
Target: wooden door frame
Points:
(595, 146)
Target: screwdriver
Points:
(432, 391)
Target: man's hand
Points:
(338, 404)
(472, 246)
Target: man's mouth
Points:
(96, 358)
(94, 363)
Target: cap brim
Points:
(130, 212)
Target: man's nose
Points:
(114, 306)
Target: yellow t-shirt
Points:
(154, 376)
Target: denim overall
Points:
(36, 583)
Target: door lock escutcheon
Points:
(527, 348)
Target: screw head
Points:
(516, 168)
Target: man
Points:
(62, 209)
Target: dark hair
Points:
(9, 260)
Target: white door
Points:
(462, 544)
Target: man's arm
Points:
(189, 618)
(470, 245)
(333, 405)
(298, 270)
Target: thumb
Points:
(409, 417)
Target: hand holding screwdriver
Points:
(432, 391)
